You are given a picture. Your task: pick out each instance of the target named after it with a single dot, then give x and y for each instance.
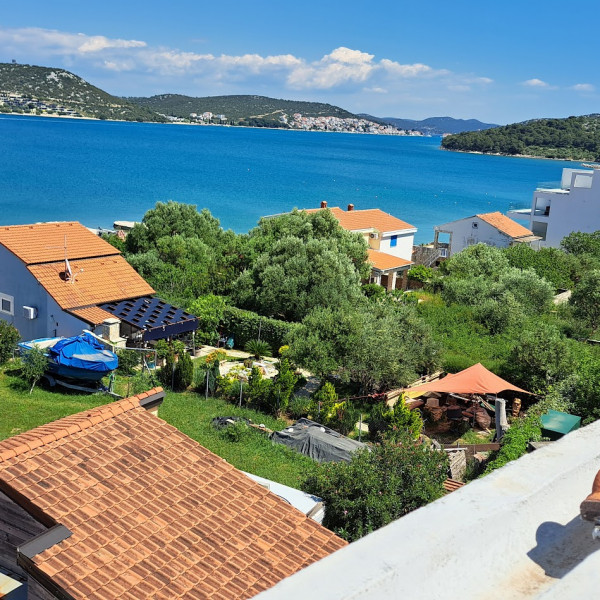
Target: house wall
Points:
(464, 234)
(577, 210)
(16, 527)
(404, 243)
(16, 281)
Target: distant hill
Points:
(43, 86)
(574, 138)
(435, 125)
(237, 109)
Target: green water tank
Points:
(555, 424)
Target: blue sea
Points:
(97, 172)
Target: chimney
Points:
(323, 203)
(350, 207)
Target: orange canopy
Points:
(474, 380)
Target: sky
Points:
(499, 61)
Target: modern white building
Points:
(557, 212)
(493, 229)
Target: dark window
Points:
(394, 241)
(6, 305)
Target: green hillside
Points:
(250, 109)
(574, 138)
(29, 89)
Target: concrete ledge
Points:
(513, 534)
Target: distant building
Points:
(390, 241)
(493, 229)
(557, 212)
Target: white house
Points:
(390, 241)
(557, 212)
(57, 279)
(493, 229)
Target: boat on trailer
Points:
(80, 358)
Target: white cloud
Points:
(538, 83)
(583, 87)
(344, 70)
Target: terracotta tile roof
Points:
(451, 485)
(505, 225)
(44, 242)
(92, 314)
(385, 262)
(97, 280)
(371, 218)
(152, 513)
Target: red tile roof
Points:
(505, 225)
(152, 513)
(92, 314)
(386, 262)
(96, 280)
(372, 218)
(45, 242)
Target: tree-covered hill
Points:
(28, 88)
(239, 108)
(575, 138)
(434, 125)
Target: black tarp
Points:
(317, 441)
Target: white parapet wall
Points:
(513, 534)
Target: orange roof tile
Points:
(386, 262)
(92, 314)
(45, 242)
(505, 225)
(151, 512)
(371, 218)
(97, 280)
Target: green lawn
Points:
(189, 412)
(20, 411)
(255, 453)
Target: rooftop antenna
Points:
(69, 276)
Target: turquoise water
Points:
(97, 172)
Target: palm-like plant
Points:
(258, 348)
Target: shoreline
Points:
(581, 160)
(54, 116)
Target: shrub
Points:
(299, 406)
(283, 386)
(260, 392)
(9, 336)
(245, 325)
(128, 361)
(258, 348)
(142, 382)
(33, 366)
(235, 432)
(377, 486)
(394, 421)
(209, 310)
(184, 373)
(420, 273)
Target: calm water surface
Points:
(96, 172)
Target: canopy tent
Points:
(474, 380)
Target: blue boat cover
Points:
(83, 352)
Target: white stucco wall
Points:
(464, 234)
(577, 210)
(404, 243)
(18, 282)
(514, 534)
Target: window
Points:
(6, 304)
(474, 225)
(393, 241)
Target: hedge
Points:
(244, 325)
